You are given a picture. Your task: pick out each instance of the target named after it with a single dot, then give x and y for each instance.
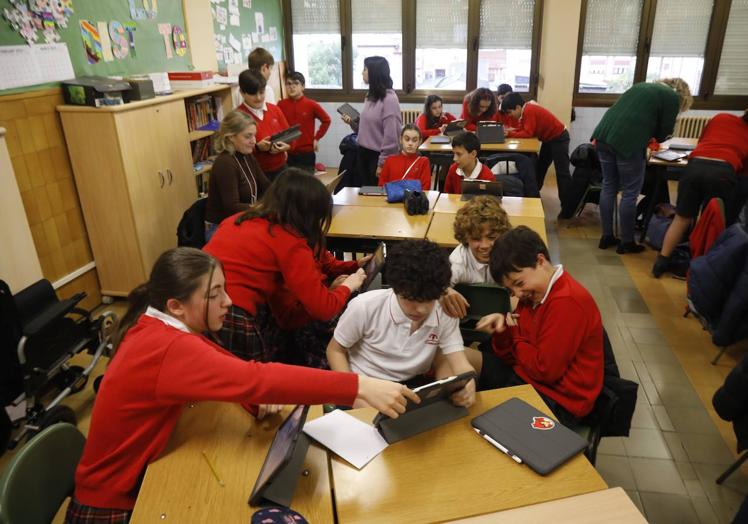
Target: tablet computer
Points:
(280, 452)
(287, 135)
(372, 191)
(454, 127)
(374, 266)
(490, 132)
(440, 139)
(669, 155)
(348, 109)
(474, 187)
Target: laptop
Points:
(287, 135)
(528, 435)
(669, 155)
(372, 191)
(490, 132)
(474, 187)
(440, 139)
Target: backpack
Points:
(191, 228)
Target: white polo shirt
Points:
(377, 334)
(474, 174)
(466, 269)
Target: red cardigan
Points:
(725, 137)
(422, 124)
(395, 166)
(272, 122)
(507, 120)
(453, 182)
(558, 346)
(156, 371)
(305, 111)
(537, 121)
(472, 120)
(260, 261)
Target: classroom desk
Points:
(450, 472)
(511, 145)
(514, 206)
(179, 486)
(349, 196)
(611, 506)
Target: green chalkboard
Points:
(260, 25)
(138, 22)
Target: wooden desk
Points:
(514, 206)
(349, 196)
(381, 223)
(512, 145)
(330, 179)
(179, 486)
(611, 506)
(450, 472)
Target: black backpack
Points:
(191, 229)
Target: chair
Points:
(40, 476)
(440, 163)
(484, 299)
(524, 177)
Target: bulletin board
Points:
(112, 37)
(242, 25)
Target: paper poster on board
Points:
(260, 23)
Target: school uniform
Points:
(453, 182)
(507, 120)
(422, 123)
(270, 120)
(472, 120)
(557, 347)
(417, 167)
(377, 335)
(306, 112)
(466, 269)
(159, 367)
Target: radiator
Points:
(690, 126)
(410, 116)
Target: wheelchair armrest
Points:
(49, 315)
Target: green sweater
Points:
(646, 110)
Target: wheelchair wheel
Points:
(57, 414)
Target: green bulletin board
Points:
(242, 25)
(147, 27)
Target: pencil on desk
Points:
(212, 469)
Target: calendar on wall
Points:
(25, 65)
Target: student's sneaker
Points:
(629, 247)
(660, 266)
(607, 241)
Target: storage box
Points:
(94, 91)
(141, 88)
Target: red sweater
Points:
(272, 122)
(395, 166)
(453, 182)
(507, 120)
(472, 120)
(422, 124)
(537, 121)
(156, 371)
(305, 111)
(558, 346)
(725, 137)
(260, 261)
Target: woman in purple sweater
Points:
(379, 126)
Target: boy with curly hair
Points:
(477, 225)
(402, 333)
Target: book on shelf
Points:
(204, 113)
(201, 150)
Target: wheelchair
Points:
(39, 334)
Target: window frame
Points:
(408, 93)
(712, 53)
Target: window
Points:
(732, 76)
(316, 42)
(441, 51)
(377, 32)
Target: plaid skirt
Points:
(78, 513)
(240, 334)
(304, 346)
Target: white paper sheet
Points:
(352, 440)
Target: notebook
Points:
(473, 188)
(528, 435)
(490, 132)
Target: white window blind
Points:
(311, 17)
(681, 28)
(506, 24)
(383, 17)
(612, 27)
(732, 76)
(441, 24)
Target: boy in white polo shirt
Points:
(477, 225)
(402, 333)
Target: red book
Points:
(190, 75)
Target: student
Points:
(162, 362)
(510, 123)
(712, 171)
(278, 246)
(271, 156)
(261, 61)
(236, 179)
(553, 340)
(536, 121)
(478, 106)
(408, 164)
(646, 110)
(502, 91)
(299, 109)
(433, 120)
(477, 225)
(379, 125)
(465, 151)
(402, 333)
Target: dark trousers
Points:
(366, 167)
(556, 151)
(303, 161)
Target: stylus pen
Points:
(496, 444)
(215, 473)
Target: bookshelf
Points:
(197, 135)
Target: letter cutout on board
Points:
(106, 44)
(165, 30)
(179, 39)
(130, 28)
(91, 41)
(119, 39)
(149, 9)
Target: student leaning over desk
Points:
(434, 119)
(478, 106)
(162, 362)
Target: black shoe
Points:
(660, 266)
(629, 247)
(607, 241)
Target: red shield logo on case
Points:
(542, 423)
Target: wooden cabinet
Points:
(134, 175)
